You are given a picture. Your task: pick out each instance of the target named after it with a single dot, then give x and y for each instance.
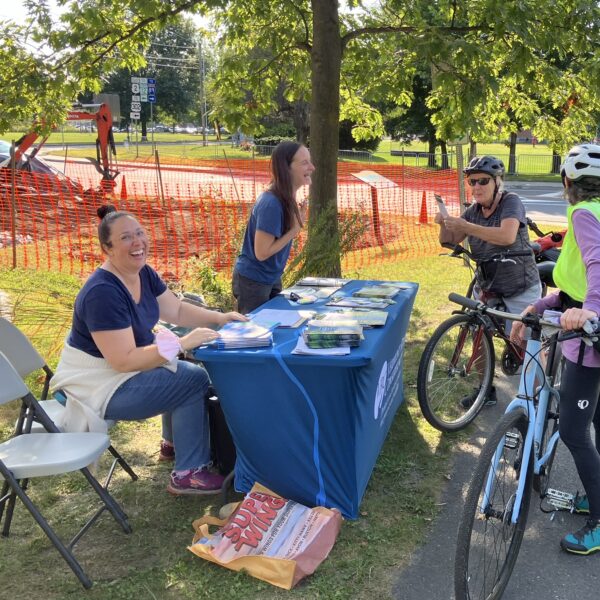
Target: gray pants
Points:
(251, 294)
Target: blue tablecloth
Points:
(311, 427)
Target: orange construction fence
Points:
(200, 210)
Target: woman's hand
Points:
(231, 316)
(574, 318)
(455, 225)
(303, 208)
(517, 331)
(198, 337)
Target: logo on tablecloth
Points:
(380, 393)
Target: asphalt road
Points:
(544, 202)
(543, 571)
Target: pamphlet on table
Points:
(365, 316)
(329, 334)
(245, 334)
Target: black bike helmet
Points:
(485, 164)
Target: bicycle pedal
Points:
(560, 500)
(511, 440)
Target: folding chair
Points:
(25, 359)
(26, 456)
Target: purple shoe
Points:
(167, 451)
(196, 482)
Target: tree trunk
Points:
(144, 137)
(556, 161)
(444, 151)
(472, 149)
(512, 156)
(323, 246)
(431, 162)
(302, 121)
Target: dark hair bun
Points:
(104, 210)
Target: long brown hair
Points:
(281, 181)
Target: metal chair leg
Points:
(123, 463)
(41, 521)
(109, 503)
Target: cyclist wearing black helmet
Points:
(495, 223)
(577, 274)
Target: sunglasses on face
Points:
(480, 181)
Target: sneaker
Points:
(167, 451)
(195, 482)
(584, 541)
(581, 505)
(490, 400)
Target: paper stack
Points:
(340, 332)
(245, 334)
(323, 281)
(384, 290)
(365, 316)
(355, 302)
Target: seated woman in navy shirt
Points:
(113, 366)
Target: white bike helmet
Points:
(581, 161)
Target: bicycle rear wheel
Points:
(457, 361)
(541, 481)
(488, 542)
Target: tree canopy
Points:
(494, 65)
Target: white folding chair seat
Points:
(44, 454)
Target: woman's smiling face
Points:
(301, 168)
(129, 244)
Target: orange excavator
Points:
(105, 143)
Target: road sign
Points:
(135, 98)
(151, 81)
(136, 106)
(134, 115)
(135, 88)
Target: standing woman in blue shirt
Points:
(275, 221)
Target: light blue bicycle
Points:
(516, 458)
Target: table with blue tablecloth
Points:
(311, 427)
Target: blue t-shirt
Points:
(105, 304)
(267, 215)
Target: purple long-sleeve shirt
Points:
(586, 228)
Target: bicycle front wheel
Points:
(488, 541)
(457, 364)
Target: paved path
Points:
(542, 572)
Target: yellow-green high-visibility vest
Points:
(569, 272)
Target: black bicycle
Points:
(459, 360)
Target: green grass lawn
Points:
(396, 513)
(532, 162)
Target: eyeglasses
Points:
(480, 181)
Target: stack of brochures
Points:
(365, 316)
(245, 334)
(323, 281)
(330, 334)
(383, 290)
(304, 291)
(355, 302)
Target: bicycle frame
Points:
(528, 391)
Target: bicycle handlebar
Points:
(505, 256)
(589, 331)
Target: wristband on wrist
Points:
(168, 344)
